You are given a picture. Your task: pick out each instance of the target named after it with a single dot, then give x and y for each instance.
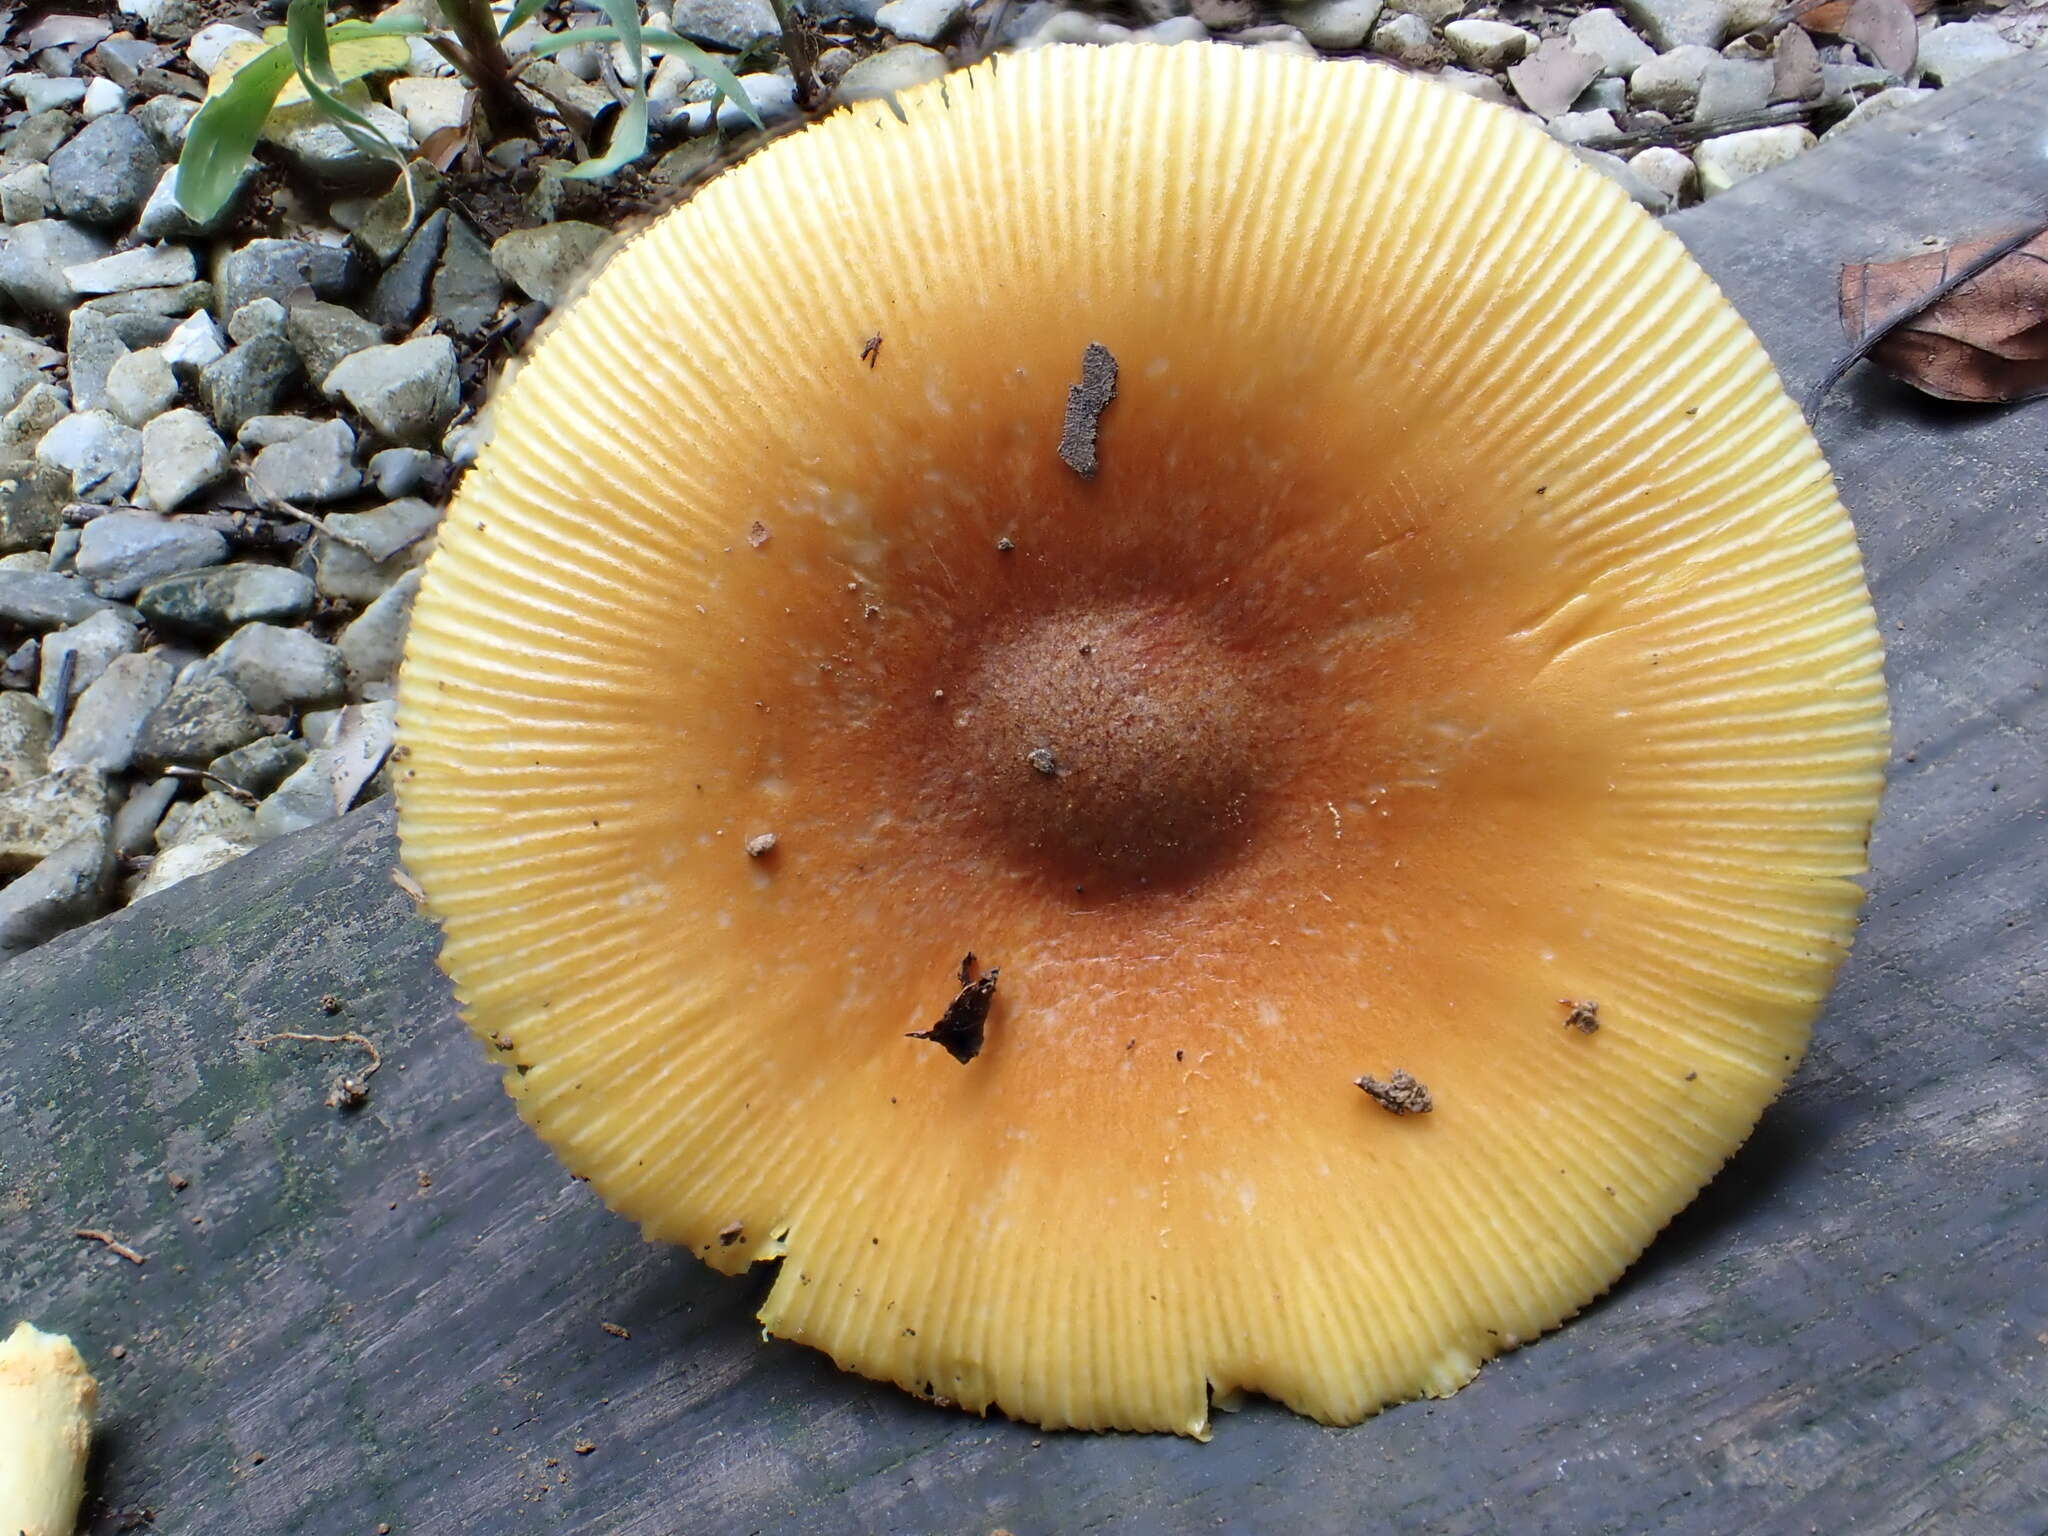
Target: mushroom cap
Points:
(1459, 626)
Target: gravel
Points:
(213, 602)
(181, 456)
(105, 172)
(311, 467)
(37, 255)
(406, 393)
(121, 552)
(108, 719)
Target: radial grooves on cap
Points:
(1354, 291)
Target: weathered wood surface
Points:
(400, 1310)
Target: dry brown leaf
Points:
(1553, 77)
(1795, 67)
(1985, 342)
(1886, 31)
(1827, 19)
(443, 147)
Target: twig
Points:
(1975, 267)
(800, 48)
(991, 30)
(1693, 133)
(228, 787)
(112, 1242)
(60, 707)
(272, 502)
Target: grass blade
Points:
(223, 135)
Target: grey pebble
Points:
(40, 600)
(920, 21)
(104, 173)
(406, 393)
(727, 24)
(1672, 24)
(181, 456)
(69, 887)
(203, 716)
(1955, 50)
(374, 642)
(1605, 36)
(1335, 24)
(1670, 83)
(211, 815)
(248, 381)
(201, 856)
(262, 765)
(277, 269)
(303, 800)
(37, 136)
(263, 431)
(108, 719)
(879, 74)
(280, 671)
(102, 453)
(121, 552)
(218, 600)
(34, 258)
(91, 646)
(24, 739)
(261, 316)
(549, 262)
(324, 334)
(32, 502)
(1733, 88)
(40, 816)
(165, 119)
(400, 471)
(143, 266)
(140, 387)
(33, 415)
(136, 822)
(398, 534)
(314, 466)
(194, 342)
(95, 343)
(467, 290)
(25, 195)
(401, 290)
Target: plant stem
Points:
(484, 64)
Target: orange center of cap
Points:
(1116, 743)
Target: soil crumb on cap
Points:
(1400, 1094)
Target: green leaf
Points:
(522, 13)
(306, 35)
(722, 79)
(223, 135)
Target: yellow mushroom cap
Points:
(1459, 627)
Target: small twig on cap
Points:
(114, 1244)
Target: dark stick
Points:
(60, 707)
(1982, 262)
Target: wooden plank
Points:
(401, 1310)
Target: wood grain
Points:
(400, 1310)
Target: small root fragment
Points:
(350, 1090)
(113, 1243)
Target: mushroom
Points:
(46, 1405)
(1456, 617)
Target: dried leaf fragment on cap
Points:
(963, 1026)
(1986, 341)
